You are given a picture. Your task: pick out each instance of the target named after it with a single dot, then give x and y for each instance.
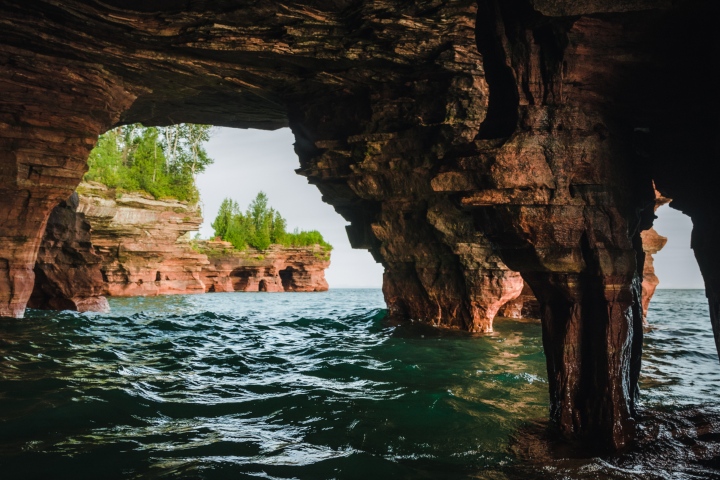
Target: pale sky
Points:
(247, 161)
(675, 265)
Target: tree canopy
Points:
(260, 226)
(161, 161)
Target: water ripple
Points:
(297, 386)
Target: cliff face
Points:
(143, 242)
(68, 272)
(459, 139)
(278, 269)
(652, 243)
(104, 243)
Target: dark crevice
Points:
(286, 277)
(593, 325)
(502, 114)
(553, 39)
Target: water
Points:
(307, 385)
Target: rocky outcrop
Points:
(652, 243)
(458, 139)
(277, 269)
(68, 272)
(524, 306)
(104, 242)
(143, 242)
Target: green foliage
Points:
(305, 238)
(260, 226)
(161, 161)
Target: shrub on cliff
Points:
(260, 226)
(161, 161)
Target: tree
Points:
(160, 161)
(221, 224)
(260, 226)
(277, 231)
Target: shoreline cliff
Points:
(130, 244)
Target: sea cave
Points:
(491, 156)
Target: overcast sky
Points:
(675, 265)
(247, 161)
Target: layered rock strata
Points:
(524, 306)
(143, 242)
(103, 242)
(652, 243)
(277, 269)
(457, 138)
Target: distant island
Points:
(131, 224)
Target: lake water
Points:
(321, 385)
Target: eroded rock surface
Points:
(277, 269)
(652, 243)
(102, 242)
(68, 272)
(143, 242)
(524, 306)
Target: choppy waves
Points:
(294, 386)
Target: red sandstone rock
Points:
(524, 306)
(652, 243)
(68, 272)
(143, 242)
(139, 246)
(144, 249)
(278, 269)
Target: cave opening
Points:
(675, 263)
(286, 277)
(247, 161)
(240, 280)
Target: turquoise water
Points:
(301, 385)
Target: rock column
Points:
(373, 156)
(556, 189)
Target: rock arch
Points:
(455, 137)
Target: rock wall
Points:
(143, 242)
(524, 306)
(68, 272)
(652, 243)
(277, 269)
(102, 242)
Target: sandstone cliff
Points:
(68, 273)
(143, 242)
(652, 243)
(277, 269)
(103, 242)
